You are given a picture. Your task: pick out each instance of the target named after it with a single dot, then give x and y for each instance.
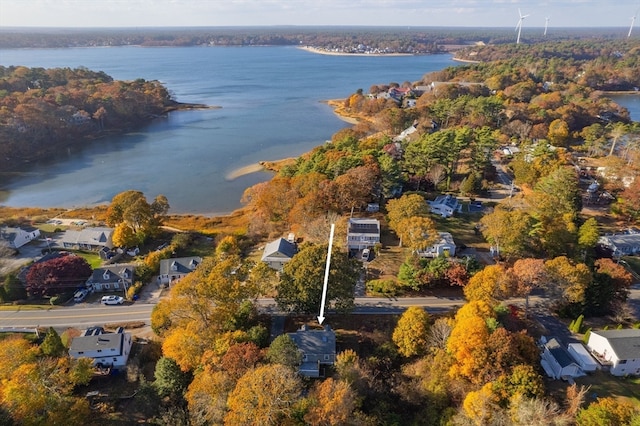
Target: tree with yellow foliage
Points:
(489, 285)
(412, 331)
(202, 309)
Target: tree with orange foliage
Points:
(207, 396)
(333, 403)
(529, 274)
(264, 396)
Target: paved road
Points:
(88, 315)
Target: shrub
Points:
(387, 287)
(585, 338)
(134, 289)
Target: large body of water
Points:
(271, 109)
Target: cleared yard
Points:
(605, 385)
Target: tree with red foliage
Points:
(57, 276)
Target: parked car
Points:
(112, 300)
(366, 253)
(80, 295)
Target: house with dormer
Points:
(172, 270)
(117, 277)
(90, 238)
(107, 350)
(445, 205)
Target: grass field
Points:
(603, 384)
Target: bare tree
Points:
(438, 334)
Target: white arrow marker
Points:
(326, 277)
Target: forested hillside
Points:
(43, 111)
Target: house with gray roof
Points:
(90, 238)
(445, 205)
(16, 237)
(621, 244)
(617, 349)
(318, 348)
(117, 277)
(557, 362)
(362, 233)
(278, 252)
(172, 270)
(105, 349)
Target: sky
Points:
(410, 13)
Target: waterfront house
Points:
(362, 233)
(174, 269)
(617, 349)
(16, 237)
(107, 350)
(279, 252)
(318, 348)
(90, 238)
(118, 277)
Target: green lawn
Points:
(605, 385)
(91, 257)
(462, 228)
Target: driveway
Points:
(27, 254)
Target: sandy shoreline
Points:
(328, 52)
(466, 61)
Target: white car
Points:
(80, 295)
(112, 300)
(366, 253)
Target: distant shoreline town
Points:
(340, 51)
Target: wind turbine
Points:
(519, 26)
(546, 24)
(633, 21)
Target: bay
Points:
(630, 102)
(271, 109)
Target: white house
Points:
(557, 362)
(622, 244)
(279, 252)
(106, 349)
(362, 233)
(173, 269)
(318, 347)
(17, 237)
(445, 205)
(582, 356)
(444, 247)
(620, 349)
